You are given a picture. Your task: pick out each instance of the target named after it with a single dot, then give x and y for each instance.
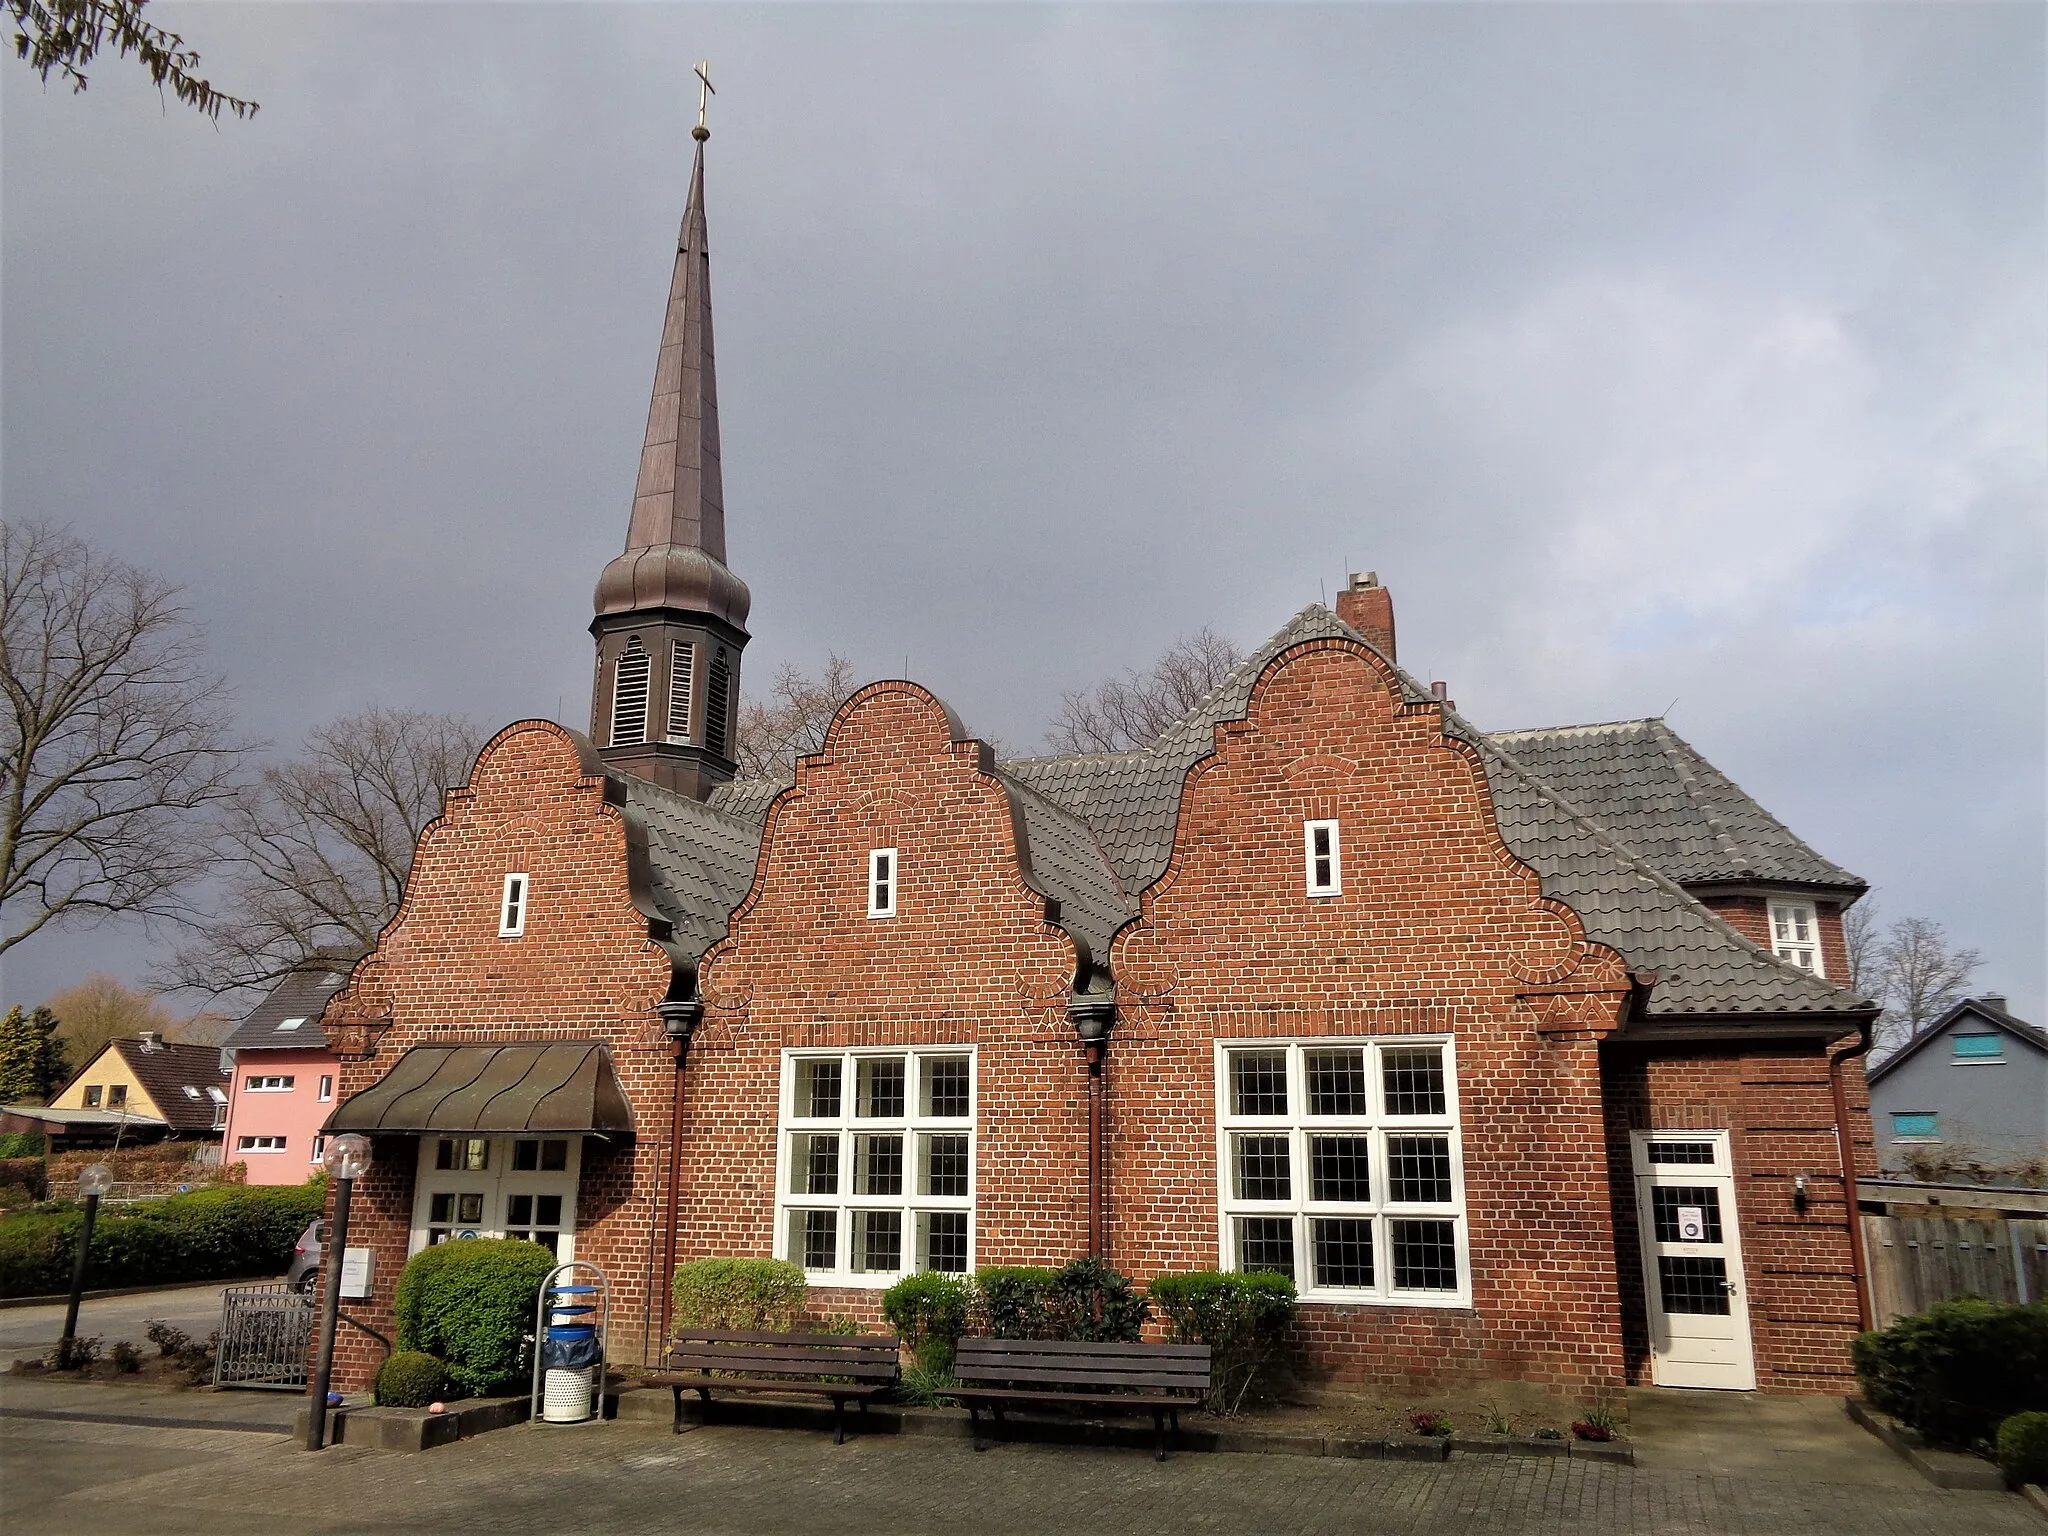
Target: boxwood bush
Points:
(2023, 1448)
(210, 1234)
(471, 1303)
(1241, 1317)
(750, 1295)
(411, 1379)
(929, 1311)
(1086, 1301)
(1009, 1302)
(1959, 1369)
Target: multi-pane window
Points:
(1341, 1167)
(259, 1143)
(882, 882)
(682, 674)
(1795, 935)
(512, 911)
(629, 695)
(271, 1084)
(877, 1165)
(1322, 859)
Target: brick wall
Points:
(1439, 930)
(584, 969)
(1776, 1104)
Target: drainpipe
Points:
(1093, 1017)
(1858, 1260)
(679, 1019)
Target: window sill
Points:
(1435, 1303)
(864, 1282)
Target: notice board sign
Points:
(358, 1269)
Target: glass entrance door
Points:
(1692, 1260)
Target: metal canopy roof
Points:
(560, 1086)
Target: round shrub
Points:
(930, 1312)
(411, 1379)
(2023, 1448)
(1094, 1304)
(1009, 1302)
(471, 1302)
(1958, 1370)
(741, 1295)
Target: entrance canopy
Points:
(559, 1086)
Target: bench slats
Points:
(870, 1341)
(1105, 1399)
(1162, 1380)
(1006, 1347)
(723, 1359)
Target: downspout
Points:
(1093, 1016)
(1858, 1260)
(679, 1019)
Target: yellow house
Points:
(150, 1086)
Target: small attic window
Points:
(1978, 1047)
(192, 1093)
(291, 1023)
(1323, 859)
(216, 1095)
(512, 913)
(1795, 935)
(882, 882)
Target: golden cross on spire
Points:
(705, 91)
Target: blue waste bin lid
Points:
(571, 1311)
(573, 1331)
(572, 1290)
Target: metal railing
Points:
(266, 1333)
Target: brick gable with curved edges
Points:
(969, 959)
(1439, 929)
(583, 969)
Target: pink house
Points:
(282, 1080)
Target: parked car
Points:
(305, 1267)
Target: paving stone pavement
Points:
(622, 1478)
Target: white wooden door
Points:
(1692, 1260)
(497, 1186)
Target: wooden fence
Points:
(1916, 1261)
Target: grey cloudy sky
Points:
(1648, 353)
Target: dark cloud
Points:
(1645, 351)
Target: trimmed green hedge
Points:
(929, 1311)
(471, 1303)
(1241, 1317)
(1957, 1370)
(209, 1234)
(1009, 1302)
(750, 1295)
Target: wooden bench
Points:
(845, 1369)
(1129, 1378)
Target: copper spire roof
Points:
(675, 547)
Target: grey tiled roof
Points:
(1062, 858)
(299, 996)
(747, 799)
(1639, 781)
(701, 859)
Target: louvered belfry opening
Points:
(629, 695)
(717, 701)
(682, 675)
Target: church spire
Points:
(671, 618)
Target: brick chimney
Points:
(1368, 608)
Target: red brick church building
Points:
(1519, 1051)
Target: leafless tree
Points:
(114, 739)
(319, 848)
(1918, 976)
(1120, 714)
(772, 736)
(1862, 930)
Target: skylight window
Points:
(290, 1023)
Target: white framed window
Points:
(497, 1186)
(1322, 858)
(284, 1024)
(512, 910)
(268, 1084)
(1795, 935)
(193, 1093)
(630, 678)
(1340, 1165)
(319, 1149)
(882, 882)
(682, 676)
(875, 1163)
(259, 1143)
(326, 1089)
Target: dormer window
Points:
(1795, 935)
(1322, 858)
(512, 912)
(629, 695)
(682, 674)
(882, 882)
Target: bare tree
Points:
(320, 846)
(1919, 976)
(772, 736)
(1120, 714)
(114, 740)
(100, 1009)
(1861, 932)
(62, 37)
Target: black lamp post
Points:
(347, 1159)
(1093, 1018)
(93, 1182)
